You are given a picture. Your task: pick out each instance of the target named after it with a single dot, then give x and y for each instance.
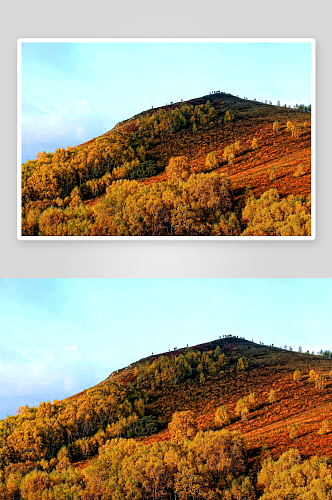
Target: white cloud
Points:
(50, 374)
(56, 122)
(83, 103)
(71, 348)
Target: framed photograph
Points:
(166, 139)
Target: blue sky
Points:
(59, 336)
(72, 92)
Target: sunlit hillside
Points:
(218, 165)
(228, 419)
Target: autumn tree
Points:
(230, 152)
(290, 477)
(229, 155)
(63, 458)
(183, 470)
(276, 126)
(229, 116)
(293, 431)
(299, 170)
(237, 146)
(272, 396)
(244, 413)
(183, 425)
(272, 173)
(76, 199)
(31, 224)
(320, 381)
(13, 486)
(178, 169)
(254, 144)
(210, 192)
(242, 408)
(312, 375)
(324, 428)
(296, 131)
(289, 126)
(242, 364)
(222, 417)
(252, 400)
(297, 375)
(268, 215)
(244, 404)
(228, 225)
(211, 162)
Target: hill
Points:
(163, 408)
(269, 367)
(145, 177)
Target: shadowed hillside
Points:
(213, 166)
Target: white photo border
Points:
(312, 41)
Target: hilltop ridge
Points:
(216, 98)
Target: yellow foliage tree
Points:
(229, 155)
(242, 364)
(324, 428)
(272, 173)
(183, 425)
(312, 375)
(244, 413)
(289, 477)
(299, 170)
(293, 431)
(230, 151)
(229, 116)
(289, 126)
(320, 381)
(270, 216)
(297, 375)
(222, 417)
(178, 169)
(211, 162)
(296, 131)
(254, 144)
(272, 396)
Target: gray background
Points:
(158, 18)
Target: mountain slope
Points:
(234, 149)
(253, 119)
(117, 434)
(268, 368)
